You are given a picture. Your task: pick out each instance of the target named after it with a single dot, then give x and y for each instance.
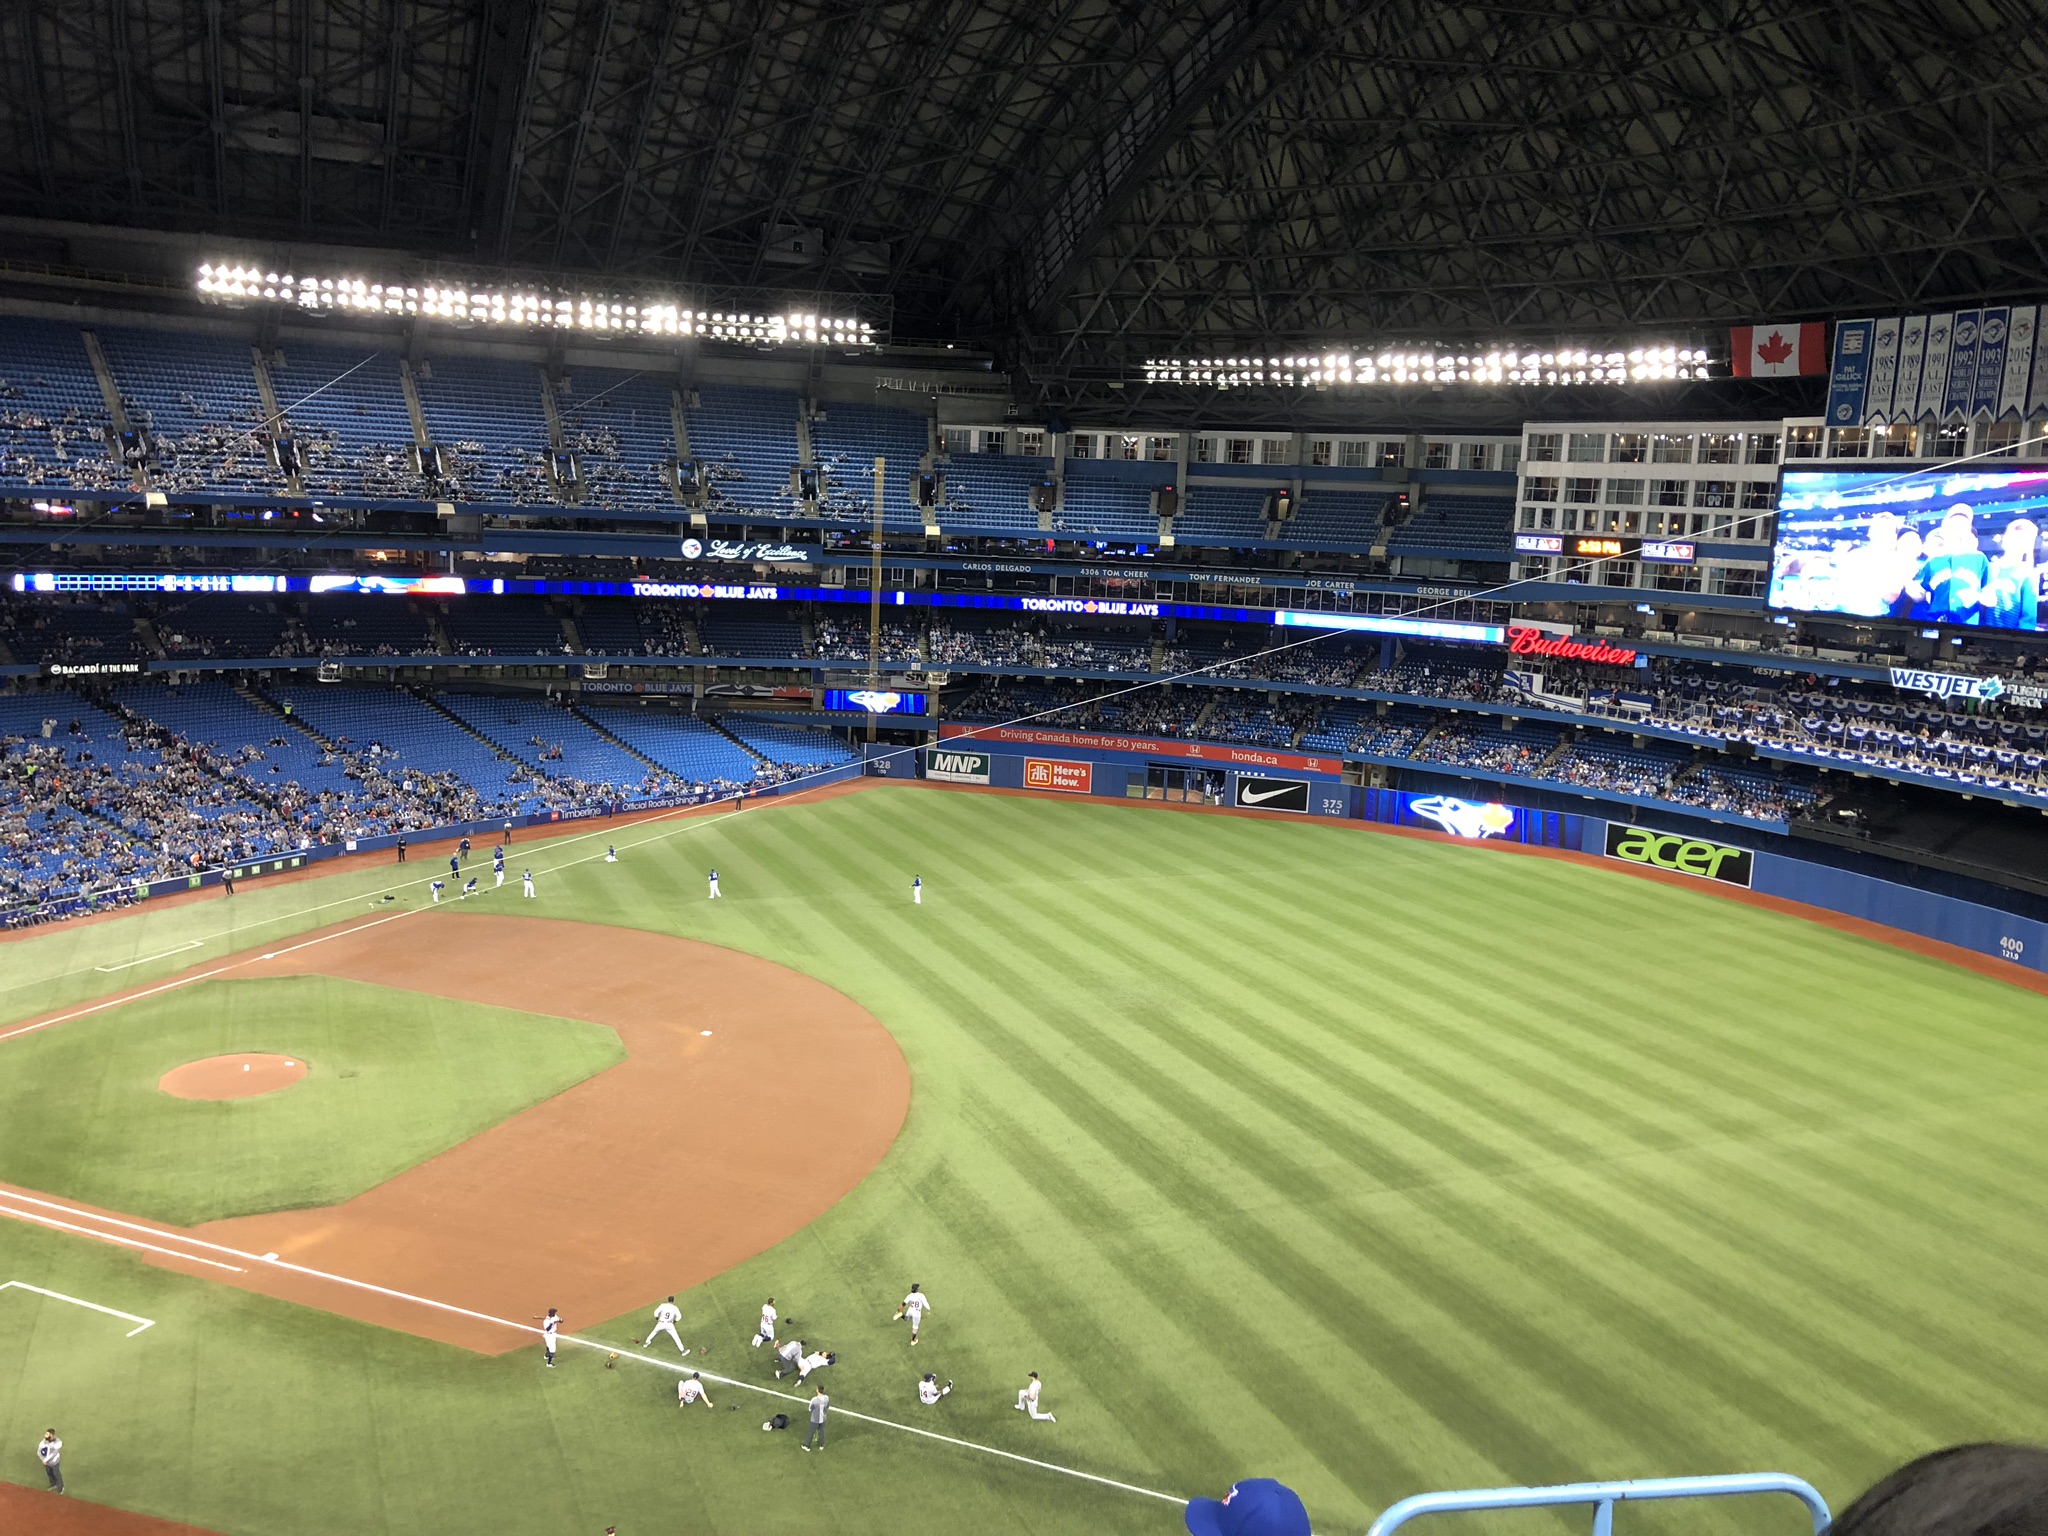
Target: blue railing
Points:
(1604, 1496)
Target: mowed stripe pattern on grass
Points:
(1374, 1164)
(1403, 1165)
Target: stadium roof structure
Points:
(1081, 184)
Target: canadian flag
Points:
(1775, 351)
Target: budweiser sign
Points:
(1524, 641)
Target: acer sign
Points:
(1524, 641)
(1679, 853)
(1272, 794)
(1056, 773)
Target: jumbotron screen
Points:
(1933, 546)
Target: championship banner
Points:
(1963, 339)
(1849, 380)
(1905, 401)
(1934, 372)
(2019, 361)
(1992, 334)
(1884, 371)
(1058, 774)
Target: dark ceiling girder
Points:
(650, 101)
(124, 102)
(599, 52)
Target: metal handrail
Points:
(1604, 1496)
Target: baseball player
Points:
(929, 1391)
(789, 1357)
(916, 891)
(611, 854)
(914, 1307)
(816, 1361)
(550, 1327)
(691, 1390)
(527, 877)
(498, 864)
(714, 885)
(50, 1452)
(665, 1318)
(454, 866)
(434, 891)
(766, 1332)
(1027, 1400)
(469, 888)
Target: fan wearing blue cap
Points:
(1258, 1506)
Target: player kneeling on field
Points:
(691, 1390)
(929, 1391)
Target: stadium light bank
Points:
(229, 283)
(1499, 365)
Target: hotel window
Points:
(1355, 455)
(1544, 446)
(1273, 450)
(1713, 493)
(1081, 445)
(1237, 450)
(1477, 456)
(1849, 443)
(1581, 490)
(1395, 455)
(1720, 447)
(1669, 493)
(1671, 448)
(1587, 447)
(1759, 495)
(1629, 448)
(1625, 493)
(1802, 443)
(1763, 447)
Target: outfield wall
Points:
(1769, 863)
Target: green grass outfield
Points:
(1371, 1163)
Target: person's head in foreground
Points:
(1966, 1490)
(1257, 1506)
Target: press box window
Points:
(1237, 450)
(1081, 445)
(1849, 443)
(1355, 455)
(1273, 450)
(1578, 490)
(1544, 446)
(1436, 456)
(1720, 447)
(1319, 449)
(1625, 493)
(1803, 442)
(1671, 448)
(1763, 447)
(1629, 448)
(1539, 488)
(1395, 455)
(1477, 456)
(1031, 445)
(1586, 447)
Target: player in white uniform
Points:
(498, 865)
(611, 854)
(527, 877)
(434, 890)
(917, 890)
(469, 888)
(714, 885)
(789, 1357)
(766, 1333)
(914, 1307)
(550, 1326)
(691, 1390)
(666, 1317)
(816, 1361)
(929, 1391)
(1027, 1400)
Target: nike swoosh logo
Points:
(1255, 797)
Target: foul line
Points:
(125, 964)
(527, 1328)
(23, 1285)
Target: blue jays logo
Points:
(876, 702)
(1461, 818)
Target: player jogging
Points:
(550, 1327)
(691, 1390)
(914, 1307)
(1027, 1400)
(929, 1391)
(527, 877)
(666, 1317)
(714, 885)
(766, 1333)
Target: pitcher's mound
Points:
(231, 1077)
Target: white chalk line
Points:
(527, 1328)
(144, 960)
(105, 1237)
(77, 1301)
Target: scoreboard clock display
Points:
(1608, 546)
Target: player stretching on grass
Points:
(665, 1318)
(914, 1307)
(789, 1357)
(1027, 1400)
(765, 1334)
(691, 1390)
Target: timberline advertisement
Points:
(1675, 851)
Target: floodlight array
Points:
(1505, 366)
(227, 282)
